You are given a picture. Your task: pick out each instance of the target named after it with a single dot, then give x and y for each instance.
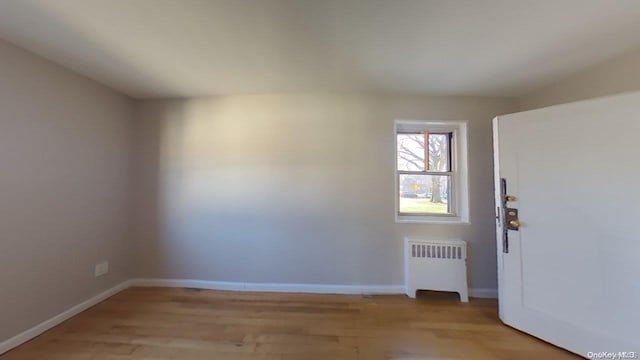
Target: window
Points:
(431, 181)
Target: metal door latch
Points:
(511, 219)
(509, 215)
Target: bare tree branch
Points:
(417, 165)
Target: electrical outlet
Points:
(101, 268)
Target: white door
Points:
(571, 272)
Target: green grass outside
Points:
(409, 205)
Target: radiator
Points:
(436, 265)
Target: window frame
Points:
(451, 204)
(457, 196)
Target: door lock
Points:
(507, 217)
(512, 221)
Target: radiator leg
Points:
(464, 295)
(411, 292)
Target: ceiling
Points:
(180, 48)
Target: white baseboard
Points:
(293, 288)
(216, 285)
(484, 293)
(271, 287)
(48, 324)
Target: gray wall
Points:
(295, 188)
(620, 74)
(65, 147)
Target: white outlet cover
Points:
(102, 268)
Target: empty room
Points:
(319, 179)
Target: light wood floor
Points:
(160, 323)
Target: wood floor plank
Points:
(165, 323)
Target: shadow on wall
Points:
(258, 192)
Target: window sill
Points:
(409, 219)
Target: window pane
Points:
(439, 152)
(423, 194)
(410, 152)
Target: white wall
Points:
(295, 188)
(620, 74)
(65, 145)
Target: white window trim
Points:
(460, 177)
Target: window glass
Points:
(423, 194)
(411, 154)
(439, 152)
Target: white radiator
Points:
(436, 265)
